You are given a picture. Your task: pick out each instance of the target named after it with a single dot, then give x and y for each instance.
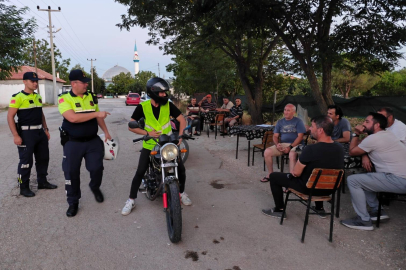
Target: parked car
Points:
(132, 99)
(100, 96)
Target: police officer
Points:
(31, 134)
(81, 118)
(157, 112)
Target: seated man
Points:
(342, 128)
(324, 154)
(388, 155)
(236, 113)
(394, 125)
(192, 112)
(291, 130)
(206, 105)
(227, 105)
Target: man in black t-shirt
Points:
(192, 112)
(156, 89)
(324, 154)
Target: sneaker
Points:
(321, 213)
(129, 205)
(374, 216)
(272, 213)
(185, 199)
(358, 224)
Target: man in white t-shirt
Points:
(388, 155)
(227, 105)
(395, 126)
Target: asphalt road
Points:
(223, 229)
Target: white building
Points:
(15, 84)
(114, 71)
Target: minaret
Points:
(136, 60)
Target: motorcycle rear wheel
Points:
(173, 213)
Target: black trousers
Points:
(35, 142)
(93, 153)
(143, 167)
(278, 180)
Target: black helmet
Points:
(156, 85)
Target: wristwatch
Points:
(355, 135)
(47, 129)
(290, 146)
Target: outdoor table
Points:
(209, 117)
(251, 132)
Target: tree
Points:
(140, 81)
(326, 32)
(235, 27)
(204, 70)
(391, 84)
(44, 59)
(14, 37)
(121, 83)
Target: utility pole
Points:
(159, 71)
(52, 49)
(91, 61)
(35, 60)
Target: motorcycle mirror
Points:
(133, 124)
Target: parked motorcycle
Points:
(162, 177)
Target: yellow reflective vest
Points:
(163, 124)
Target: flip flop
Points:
(264, 180)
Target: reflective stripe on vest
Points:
(163, 124)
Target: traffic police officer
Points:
(31, 134)
(81, 117)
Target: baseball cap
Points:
(78, 75)
(208, 95)
(32, 76)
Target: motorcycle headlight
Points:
(169, 152)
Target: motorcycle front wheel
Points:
(184, 145)
(173, 213)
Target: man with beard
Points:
(324, 154)
(388, 154)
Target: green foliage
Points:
(391, 84)
(14, 37)
(44, 59)
(124, 83)
(204, 70)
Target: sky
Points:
(89, 32)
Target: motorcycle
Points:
(183, 146)
(162, 177)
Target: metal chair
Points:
(325, 179)
(219, 121)
(380, 199)
(267, 141)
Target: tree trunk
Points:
(253, 93)
(311, 77)
(326, 85)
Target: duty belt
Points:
(31, 127)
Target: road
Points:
(223, 229)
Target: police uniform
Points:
(83, 143)
(34, 139)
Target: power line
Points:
(75, 34)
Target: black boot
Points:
(72, 210)
(98, 195)
(46, 185)
(26, 192)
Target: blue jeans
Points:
(189, 122)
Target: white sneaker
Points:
(129, 205)
(185, 199)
